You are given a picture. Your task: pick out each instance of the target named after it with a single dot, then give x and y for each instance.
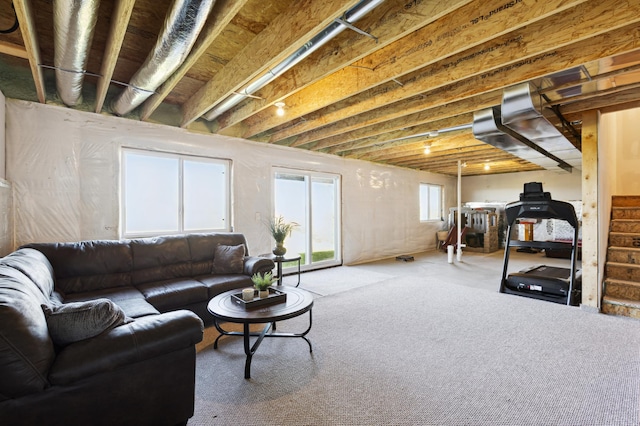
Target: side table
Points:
(279, 260)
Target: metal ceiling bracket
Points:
(354, 28)
(565, 124)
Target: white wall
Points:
(64, 166)
(6, 217)
(622, 140)
(2, 136)
(505, 188)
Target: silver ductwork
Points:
(350, 16)
(487, 127)
(521, 112)
(518, 127)
(74, 23)
(181, 28)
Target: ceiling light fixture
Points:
(487, 166)
(427, 148)
(280, 110)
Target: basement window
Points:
(173, 194)
(430, 202)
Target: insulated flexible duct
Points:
(181, 28)
(74, 23)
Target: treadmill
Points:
(550, 283)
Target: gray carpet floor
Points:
(427, 343)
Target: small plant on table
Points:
(262, 282)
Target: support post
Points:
(590, 234)
(459, 251)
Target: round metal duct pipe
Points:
(335, 28)
(74, 23)
(181, 28)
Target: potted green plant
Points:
(279, 231)
(262, 282)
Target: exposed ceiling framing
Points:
(411, 73)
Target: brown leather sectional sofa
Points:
(141, 369)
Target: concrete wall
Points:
(65, 175)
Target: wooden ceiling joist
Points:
(337, 54)
(617, 41)
(13, 50)
(119, 22)
(24, 13)
(436, 41)
(507, 59)
(286, 34)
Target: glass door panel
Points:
(311, 200)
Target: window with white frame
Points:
(171, 193)
(430, 202)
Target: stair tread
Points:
(625, 248)
(621, 301)
(624, 265)
(621, 281)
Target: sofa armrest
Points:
(255, 264)
(141, 339)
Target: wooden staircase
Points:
(622, 270)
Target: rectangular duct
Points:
(518, 127)
(522, 114)
(487, 127)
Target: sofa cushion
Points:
(217, 284)
(171, 294)
(88, 265)
(72, 322)
(228, 259)
(26, 350)
(203, 246)
(130, 299)
(35, 266)
(160, 258)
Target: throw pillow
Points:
(71, 322)
(228, 259)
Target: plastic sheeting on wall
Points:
(6, 219)
(65, 171)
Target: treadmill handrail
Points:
(541, 209)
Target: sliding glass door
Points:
(312, 200)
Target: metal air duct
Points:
(522, 114)
(487, 127)
(181, 28)
(74, 23)
(312, 45)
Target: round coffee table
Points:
(225, 309)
